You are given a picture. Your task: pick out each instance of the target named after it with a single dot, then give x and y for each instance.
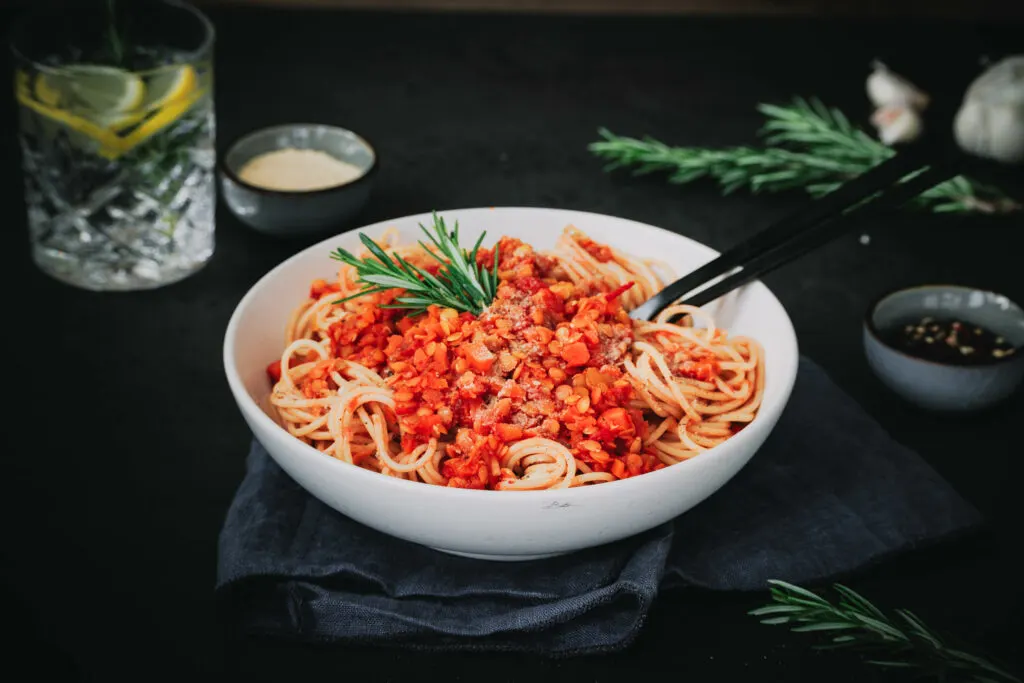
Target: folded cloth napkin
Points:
(829, 492)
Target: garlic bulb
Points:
(896, 123)
(887, 88)
(990, 122)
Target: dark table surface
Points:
(123, 444)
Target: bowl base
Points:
(499, 558)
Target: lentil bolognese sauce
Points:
(551, 385)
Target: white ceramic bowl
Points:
(504, 525)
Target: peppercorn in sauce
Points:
(950, 341)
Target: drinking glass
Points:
(116, 126)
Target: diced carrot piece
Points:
(615, 421)
(618, 469)
(320, 287)
(502, 408)
(274, 371)
(576, 354)
(480, 357)
(507, 432)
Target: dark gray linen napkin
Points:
(829, 492)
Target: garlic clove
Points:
(990, 122)
(896, 123)
(885, 87)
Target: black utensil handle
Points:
(769, 261)
(863, 186)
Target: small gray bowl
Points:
(297, 213)
(940, 386)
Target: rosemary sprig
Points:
(854, 622)
(114, 35)
(461, 283)
(807, 145)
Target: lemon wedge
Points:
(163, 89)
(164, 117)
(86, 134)
(22, 84)
(47, 93)
(104, 90)
(90, 98)
(168, 85)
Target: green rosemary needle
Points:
(114, 35)
(461, 283)
(853, 622)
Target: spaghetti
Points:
(552, 386)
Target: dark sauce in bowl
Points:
(949, 341)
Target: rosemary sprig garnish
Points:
(460, 282)
(854, 622)
(806, 145)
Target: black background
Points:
(124, 446)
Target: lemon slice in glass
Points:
(162, 89)
(167, 85)
(92, 101)
(170, 95)
(89, 88)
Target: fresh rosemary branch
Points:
(901, 642)
(807, 145)
(460, 282)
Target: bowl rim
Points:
(230, 173)
(577, 494)
(872, 329)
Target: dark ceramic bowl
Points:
(940, 386)
(302, 213)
